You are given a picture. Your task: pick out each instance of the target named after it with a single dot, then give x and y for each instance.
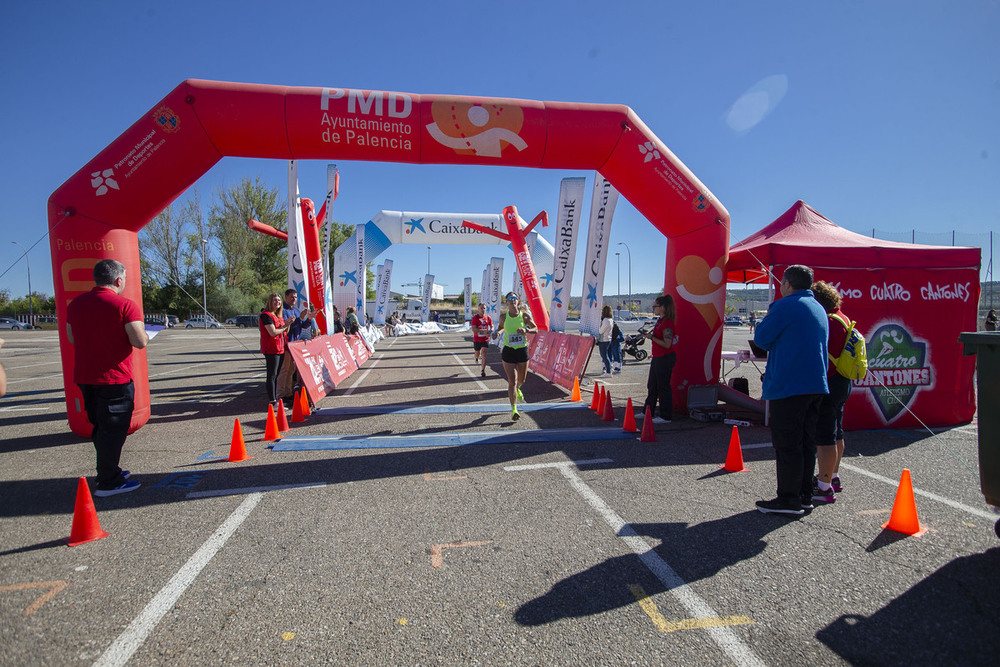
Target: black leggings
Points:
(658, 384)
(273, 363)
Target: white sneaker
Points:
(660, 420)
(605, 375)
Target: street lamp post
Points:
(428, 260)
(629, 275)
(204, 285)
(31, 309)
(618, 256)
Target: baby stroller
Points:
(634, 342)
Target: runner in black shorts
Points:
(481, 325)
(515, 325)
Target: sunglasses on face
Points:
(512, 298)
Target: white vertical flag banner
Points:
(518, 286)
(468, 299)
(494, 288)
(332, 187)
(567, 223)
(378, 293)
(362, 274)
(296, 243)
(483, 292)
(383, 299)
(602, 209)
(425, 310)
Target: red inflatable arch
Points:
(99, 211)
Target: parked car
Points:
(11, 323)
(172, 320)
(201, 322)
(156, 320)
(245, 321)
(734, 321)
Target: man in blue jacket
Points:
(794, 333)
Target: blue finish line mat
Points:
(441, 409)
(297, 443)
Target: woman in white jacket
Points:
(604, 339)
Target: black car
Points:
(247, 321)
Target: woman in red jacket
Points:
(272, 344)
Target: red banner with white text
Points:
(559, 357)
(325, 362)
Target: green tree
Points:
(252, 262)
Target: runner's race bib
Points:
(515, 340)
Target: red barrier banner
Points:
(558, 357)
(323, 363)
(358, 349)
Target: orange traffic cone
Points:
(282, 419)
(904, 510)
(575, 396)
(595, 401)
(648, 434)
(601, 400)
(86, 527)
(297, 416)
(304, 397)
(271, 431)
(629, 425)
(609, 410)
(734, 459)
(237, 447)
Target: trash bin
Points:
(986, 346)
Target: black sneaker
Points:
(124, 488)
(482, 373)
(784, 506)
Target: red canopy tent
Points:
(910, 301)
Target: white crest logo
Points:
(649, 150)
(101, 181)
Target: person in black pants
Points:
(272, 344)
(104, 327)
(794, 333)
(662, 339)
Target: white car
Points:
(199, 322)
(11, 323)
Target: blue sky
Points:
(880, 115)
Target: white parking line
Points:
(926, 494)
(482, 387)
(361, 378)
(139, 629)
(726, 639)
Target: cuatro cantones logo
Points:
(897, 369)
(483, 129)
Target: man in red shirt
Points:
(482, 326)
(104, 327)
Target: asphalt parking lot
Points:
(594, 551)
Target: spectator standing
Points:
(830, 429)
(299, 318)
(991, 321)
(794, 332)
(351, 323)
(615, 349)
(104, 327)
(272, 344)
(604, 340)
(662, 340)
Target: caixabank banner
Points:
(911, 319)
